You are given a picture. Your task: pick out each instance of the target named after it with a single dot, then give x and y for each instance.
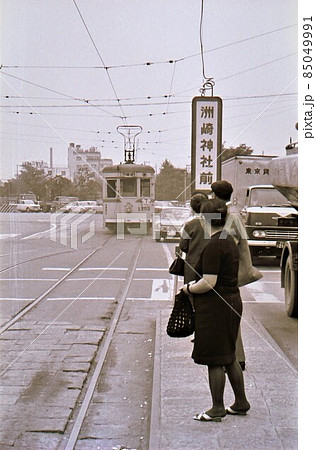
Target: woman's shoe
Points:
(233, 412)
(242, 365)
(204, 417)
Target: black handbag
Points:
(177, 267)
(181, 320)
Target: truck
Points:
(285, 179)
(262, 206)
(245, 171)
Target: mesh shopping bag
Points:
(181, 320)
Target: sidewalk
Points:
(181, 390)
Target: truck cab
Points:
(270, 220)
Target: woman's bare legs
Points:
(236, 380)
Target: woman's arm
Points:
(184, 239)
(203, 285)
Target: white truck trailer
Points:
(245, 171)
(262, 206)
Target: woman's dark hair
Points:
(197, 200)
(212, 207)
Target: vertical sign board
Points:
(206, 142)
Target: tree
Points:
(59, 185)
(87, 187)
(241, 150)
(171, 182)
(34, 180)
(29, 179)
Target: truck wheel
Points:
(290, 289)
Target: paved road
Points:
(49, 357)
(39, 250)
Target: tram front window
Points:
(145, 187)
(129, 187)
(111, 189)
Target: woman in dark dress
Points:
(218, 310)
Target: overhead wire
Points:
(170, 61)
(257, 67)
(57, 92)
(162, 96)
(88, 102)
(176, 94)
(101, 59)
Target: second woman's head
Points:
(214, 212)
(197, 201)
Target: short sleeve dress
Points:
(218, 311)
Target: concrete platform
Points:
(181, 390)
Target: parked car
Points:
(162, 204)
(93, 206)
(28, 206)
(168, 222)
(98, 206)
(61, 201)
(79, 207)
(82, 206)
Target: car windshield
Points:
(175, 214)
(267, 197)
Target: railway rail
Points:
(43, 295)
(33, 331)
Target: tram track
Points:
(81, 406)
(43, 295)
(101, 357)
(37, 258)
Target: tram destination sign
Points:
(206, 142)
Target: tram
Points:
(128, 188)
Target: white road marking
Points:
(57, 268)
(28, 279)
(6, 236)
(5, 299)
(31, 236)
(134, 299)
(165, 269)
(96, 279)
(102, 268)
(262, 301)
(53, 299)
(161, 289)
(270, 271)
(257, 290)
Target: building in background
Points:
(90, 159)
(49, 169)
(77, 158)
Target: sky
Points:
(75, 70)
